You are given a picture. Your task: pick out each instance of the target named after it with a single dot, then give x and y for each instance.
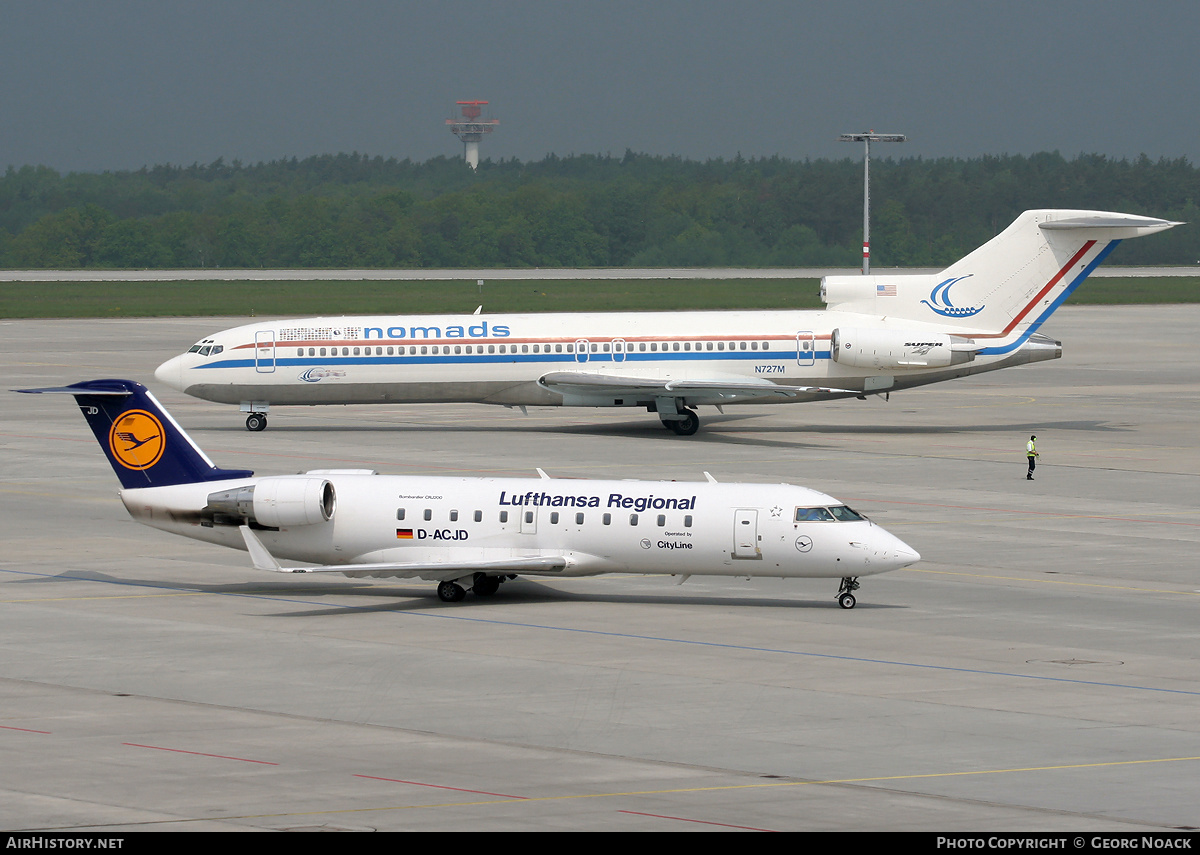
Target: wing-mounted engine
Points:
(899, 349)
(277, 502)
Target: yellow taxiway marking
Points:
(723, 788)
(113, 597)
(1050, 581)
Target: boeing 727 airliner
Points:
(475, 532)
(878, 334)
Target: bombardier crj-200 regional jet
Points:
(476, 532)
(878, 334)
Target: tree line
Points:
(351, 210)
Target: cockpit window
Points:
(836, 513)
(813, 515)
(205, 351)
(845, 514)
(195, 348)
(217, 348)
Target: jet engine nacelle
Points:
(279, 502)
(898, 349)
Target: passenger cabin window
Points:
(579, 519)
(479, 516)
(504, 516)
(687, 521)
(454, 516)
(428, 515)
(399, 513)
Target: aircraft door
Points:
(806, 347)
(745, 534)
(618, 351)
(264, 351)
(581, 350)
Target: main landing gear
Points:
(682, 422)
(675, 415)
(482, 585)
(844, 598)
(685, 424)
(256, 422)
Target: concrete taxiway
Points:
(1039, 670)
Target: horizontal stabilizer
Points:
(91, 388)
(1127, 224)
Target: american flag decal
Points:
(888, 290)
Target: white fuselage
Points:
(877, 333)
(657, 527)
(501, 359)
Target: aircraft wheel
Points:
(688, 425)
(846, 601)
(450, 592)
(256, 422)
(485, 586)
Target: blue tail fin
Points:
(145, 446)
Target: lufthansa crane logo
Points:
(137, 440)
(939, 301)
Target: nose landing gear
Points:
(844, 598)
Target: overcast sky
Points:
(118, 84)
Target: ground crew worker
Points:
(1031, 453)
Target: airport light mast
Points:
(867, 138)
(470, 128)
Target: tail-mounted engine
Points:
(899, 349)
(278, 502)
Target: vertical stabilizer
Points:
(1012, 282)
(145, 446)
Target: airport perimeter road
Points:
(1039, 670)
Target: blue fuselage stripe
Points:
(492, 358)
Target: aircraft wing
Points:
(585, 383)
(429, 571)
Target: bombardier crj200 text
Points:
(476, 532)
(878, 334)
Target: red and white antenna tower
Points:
(470, 128)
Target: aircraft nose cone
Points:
(902, 555)
(170, 373)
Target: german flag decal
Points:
(404, 534)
